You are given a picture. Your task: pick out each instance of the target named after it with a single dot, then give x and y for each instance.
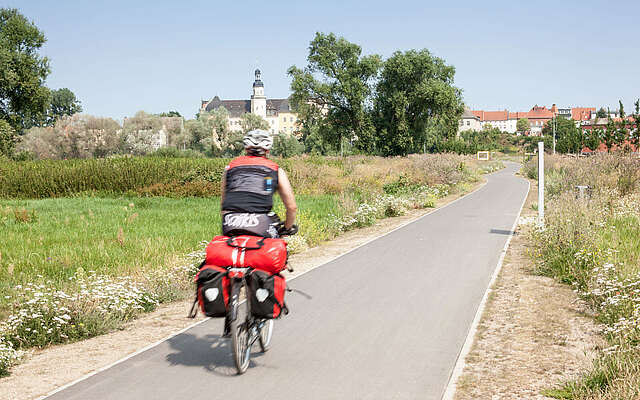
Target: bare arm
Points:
(286, 194)
(224, 184)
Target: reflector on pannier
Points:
(212, 290)
(266, 294)
(266, 254)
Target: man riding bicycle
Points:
(248, 185)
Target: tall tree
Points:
(621, 109)
(414, 90)
(568, 135)
(141, 133)
(77, 136)
(171, 113)
(336, 85)
(635, 134)
(63, 102)
(592, 138)
(523, 125)
(286, 145)
(23, 96)
(609, 135)
(7, 138)
(249, 122)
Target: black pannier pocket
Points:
(266, 294)
(213, 290)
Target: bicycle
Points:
(244, 333)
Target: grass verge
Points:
(593, 244)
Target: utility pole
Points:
(541, 185)
(553, 124)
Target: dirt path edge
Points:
(450, 391)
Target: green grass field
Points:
(125, 236)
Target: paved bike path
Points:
(386, 321)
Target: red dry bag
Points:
(265, 254)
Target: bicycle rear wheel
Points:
(266, 332)
(240, 335)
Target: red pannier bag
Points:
(266, 294)
(265, 254)
(212, 291)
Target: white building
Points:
(277, 112)
(469, 122)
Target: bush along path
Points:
(593, 244)
(52, 306)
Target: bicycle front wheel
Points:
(240, 344)
(240, 332)
(266, 332)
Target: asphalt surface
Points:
(385, 321)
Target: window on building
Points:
(468, 123)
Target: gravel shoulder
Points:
(534, 334)
(44, 370)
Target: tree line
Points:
(25, 101)
(620, 134)
(404, 104)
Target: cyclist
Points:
(248, 185)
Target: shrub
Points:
(161, 176)
(8, 356)
(41, 314)
(172, 152)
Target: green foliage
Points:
(171, 113)
(172, 152)
(286, 146)
(77, 136)
(7, 139)
(523, 125)
(569, 138)
(63, 102)
(602, 113)
(138, 133)
(23, 96)
(337, 101)
(250, 122)
(115, 176)
(414, 88)
(592, 138)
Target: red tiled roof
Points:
(491, 115)
(602, 148)
(582, 113)
(540, 113)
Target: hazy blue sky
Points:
(123, 56)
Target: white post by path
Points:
(541, 184)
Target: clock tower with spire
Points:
(258, 99)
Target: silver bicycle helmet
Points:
(257, 141)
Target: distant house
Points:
(277, 112)
(469, 122)
(583, 113)
(539, 116)
(503, 120)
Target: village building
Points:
(538, 117)
(277, 112)
(469, 122)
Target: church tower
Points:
(258, 99)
